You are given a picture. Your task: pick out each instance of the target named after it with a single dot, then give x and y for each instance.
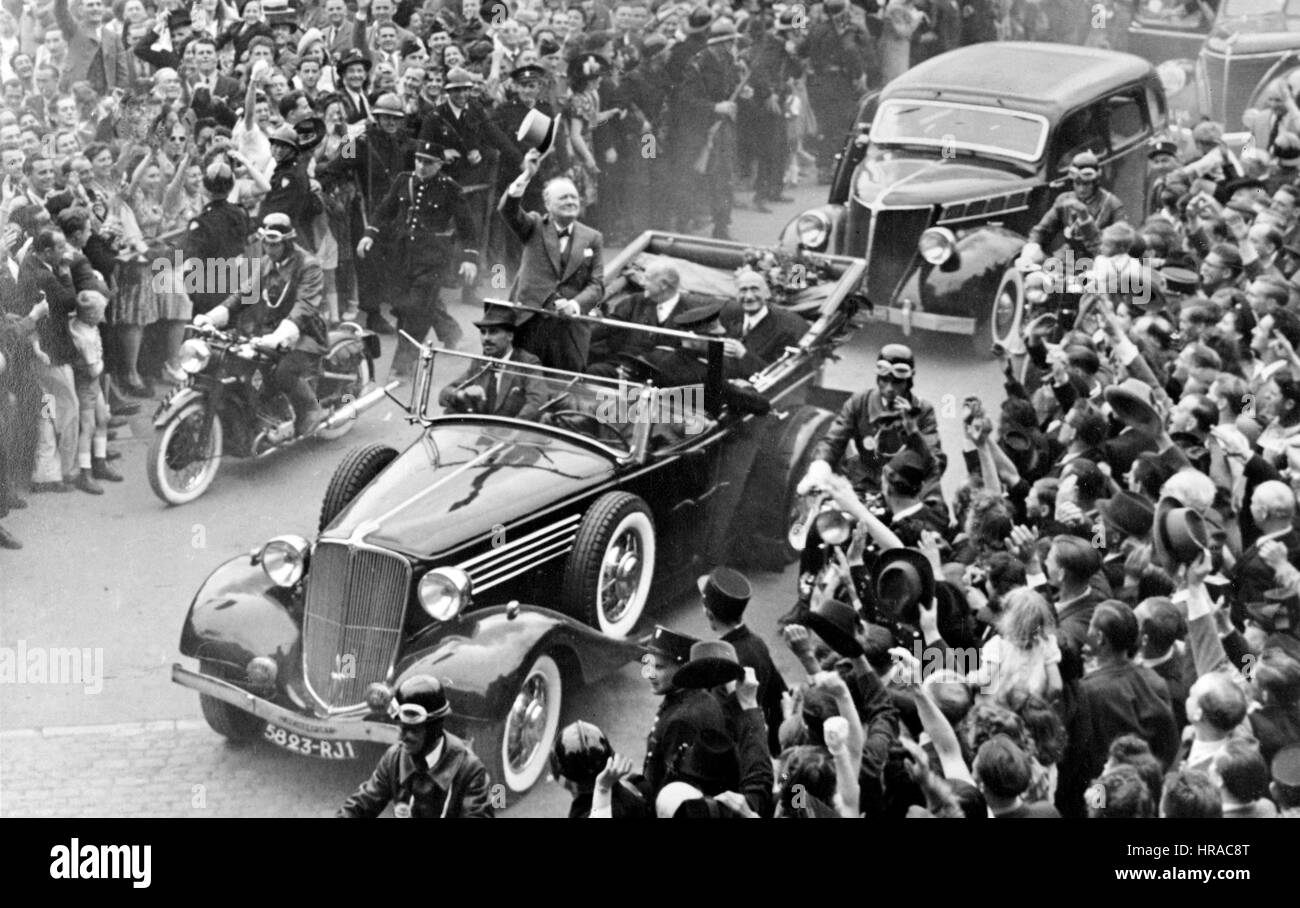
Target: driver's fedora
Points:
(1179, 535)
(495, 316)
(537, 131)
(904, 579)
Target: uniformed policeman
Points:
(292, 191)
(684, 715)
(839, 54)
(424, 214)
(218, 234)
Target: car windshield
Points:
(1179, 14)
(618, 413)
(952, 128)
(1253, 16)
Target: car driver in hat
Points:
(429, 772)
(280, 309)
(493, 388)
(684, 713)
(429, 225)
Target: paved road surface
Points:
(114, 574)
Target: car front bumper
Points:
(338, 728)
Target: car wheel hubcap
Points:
(620, 576)
(527, 724)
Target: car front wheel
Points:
(517, 749)
(230, 722)
(608, 575)
(1007, 310)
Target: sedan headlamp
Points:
(937, 245)
(444, 592)
(1173, 76)
(284, 559)
(813, 229)
(194, 356)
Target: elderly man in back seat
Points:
(758, 333)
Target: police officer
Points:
(881, 421)
(839, 54)
(1079, 214)
(284, 314)
(684, 715)
(219, 233)
(425, 213)
(580, 753)
(429, 772)
(708, 121)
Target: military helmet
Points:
(285, 135)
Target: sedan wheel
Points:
(1008, 308)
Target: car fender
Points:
(238, 614)
(481, 656)
(964, 284)
(173, 403)
(834, 216)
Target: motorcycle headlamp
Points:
(444, 592)
(284, 559)
(194, 356)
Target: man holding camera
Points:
(1079, 214)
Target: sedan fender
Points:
(239, 614)
(480, 657)
(962, 288)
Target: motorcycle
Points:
(222, 409)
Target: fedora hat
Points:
(1130, 513)
(1179, 535)
(904, 577)
(669, 644)
(698, 21)
(1130, 401)
(352, 58)
(712, 663)
(723, 30)
(537, 131)
(726, 593)
(311, 132)
(496, 317)
(835, 622)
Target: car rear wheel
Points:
(1007, 310)
(230, 722)
(517, 749)
(358, 468)
(608, 575)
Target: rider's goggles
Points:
(414, 713)
(886, 369)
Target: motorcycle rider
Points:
(1079, 214)
(280, 308)
(429, 772)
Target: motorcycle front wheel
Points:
(180, 466)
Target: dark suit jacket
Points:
(1071, 630)
(607, 341)
(85, 54)
(778, 329)
(474, 131)
(35, 277)
(753, 653)
(682, 717)
(518, 396)
(1252, 577)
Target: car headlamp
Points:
(937, 245)
(1173, 76)
(813, 229)
(444, 592)
(284, 559)
(194, 356)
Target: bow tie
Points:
(565, 234)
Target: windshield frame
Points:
(990, 150)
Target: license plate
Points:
(307, 745)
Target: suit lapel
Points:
(551, 239)
(577, 243)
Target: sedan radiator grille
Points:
(352, 624)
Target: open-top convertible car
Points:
(952, 164)
(511, 556)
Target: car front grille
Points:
(352, 623)
(892, 245)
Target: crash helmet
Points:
(419, 700)
(1085, 166)
(580, 753)
(896, 360)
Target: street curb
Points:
(119, 729)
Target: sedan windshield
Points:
(954, 128)
(1251, 16)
